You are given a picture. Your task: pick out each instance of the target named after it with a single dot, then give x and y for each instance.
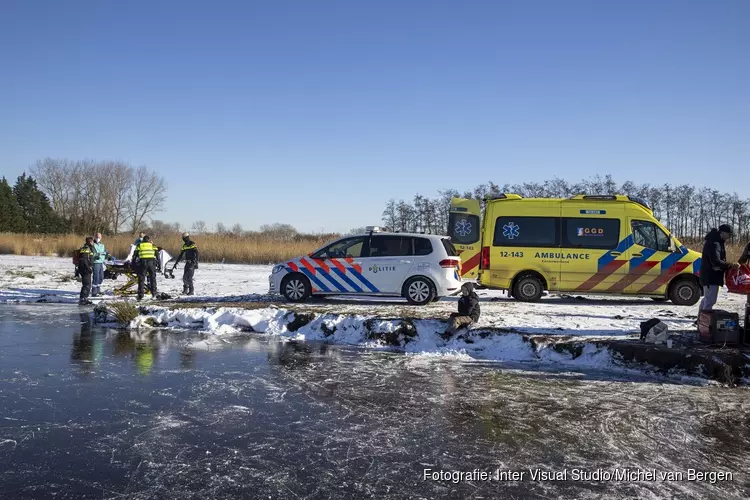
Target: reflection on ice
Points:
(175, 415)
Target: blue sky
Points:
(316, 113)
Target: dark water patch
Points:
(95, 413)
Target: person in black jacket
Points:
(468, 310)
(714, 265)
(190, 252)
(85, 269)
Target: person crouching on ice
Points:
(468, 310)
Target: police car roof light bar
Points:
(376, 229)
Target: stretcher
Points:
(113, 269)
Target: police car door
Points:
(390, 259)
(650, 258)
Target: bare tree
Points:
(237, 229)
(120, 178)
(389, 214)
(147, 197)
(279, 231)
(220, 228)
(200, 227)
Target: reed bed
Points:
(256, 249)
(213, 247)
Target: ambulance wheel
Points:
(419, 291)
(296, 288)
(685, 292)
(528, 288)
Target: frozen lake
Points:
(93, 413)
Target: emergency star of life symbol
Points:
(463, 227)
(511, 230)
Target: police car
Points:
(422, 268)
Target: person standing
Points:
(100, 255)
(714, 265)
(145, 252)
(190, 252)
(85, 269)
(135, 244)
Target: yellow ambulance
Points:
(585, 244)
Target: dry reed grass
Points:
(213, 247)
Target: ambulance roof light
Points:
(376, 229)
(609, 197)
(640, 201)
(504, 196)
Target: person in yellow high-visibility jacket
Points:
(145, 253)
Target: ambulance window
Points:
(527, 232)
(390, 246)
(463, 228)
(422, 246)
(594, 233)
(350, 247)
(649, 235)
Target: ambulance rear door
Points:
(465, 231)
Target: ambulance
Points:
(586, 244)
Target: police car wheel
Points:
(296, 288)
(685, 292)
(528, 289)
(419, 291)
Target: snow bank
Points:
(414, 336)
(423, 337)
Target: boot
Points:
(184, 290)
(140, 298)
(191, 291)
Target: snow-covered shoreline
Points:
(564, 330)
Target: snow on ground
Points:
(371, 322)
(29, 279)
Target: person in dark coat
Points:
(468, 310)
(85, 269)
(714, 265)
(191, 254)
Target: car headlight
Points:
(277, 269)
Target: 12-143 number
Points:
(511, 254)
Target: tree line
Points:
(688, 211)
(105, 196)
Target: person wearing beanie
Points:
(190, 252)
(714, 265)
(468, 310)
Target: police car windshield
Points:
(349, 247)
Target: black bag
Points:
(646, 326)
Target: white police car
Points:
(419, 267)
